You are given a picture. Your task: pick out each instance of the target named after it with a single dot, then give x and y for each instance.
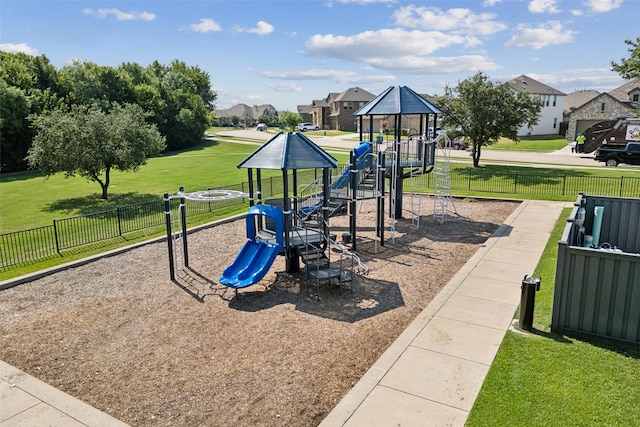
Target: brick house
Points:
(336, 110)
(552, 101)
(586, 108)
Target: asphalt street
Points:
(563, 158)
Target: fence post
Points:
(621, 185)
(119, 224)
(515, 184)
(564, 184)
(469, 185)
(55, 235)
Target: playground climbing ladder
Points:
(443, 203)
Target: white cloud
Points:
(262, 28)
(436, 65)
(286, 87)
(120, 15)
(543, 6)
(402, 51)
(338, 76)
(18, 48)
(386, 42)
(603, 5)
(458, 20)
(546, 34)
(491, 3)
(206, 25)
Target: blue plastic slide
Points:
(251, 264)
(256, 256)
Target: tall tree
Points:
(484, 112)
(28, 85)
(90, 142)
(289, 120)
(15, 135)
(86, 83)
(179, 99)
(629, 68)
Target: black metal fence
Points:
(39, 243)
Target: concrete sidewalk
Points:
(432, 374)
(26, 401)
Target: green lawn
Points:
(29, 200)
(547, 379)
(539, 144)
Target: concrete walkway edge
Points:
(27, 401)
(353, 408)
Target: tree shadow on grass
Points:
(92, 203)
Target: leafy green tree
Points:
(15, 134)
(90, 142)
(629, 68)
(484, 112)
(28, 85)
(86, 83)
(289, 120)
(182, 100)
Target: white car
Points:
(307, 126)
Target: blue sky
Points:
(287, 53)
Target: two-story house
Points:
(336, 110)
(552, 106)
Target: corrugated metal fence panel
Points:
(620, 221)
(600, 294)
(596, 291)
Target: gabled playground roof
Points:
(397, 100)
(288, 151)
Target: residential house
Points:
(306, 113)
(587, 108)
(552, 101)
(336, 110)
(246, 114)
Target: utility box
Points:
(530, 285)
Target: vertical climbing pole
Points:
(416, 180)
(381, 170)
(167, 216)
(353, 186)
(442, 180)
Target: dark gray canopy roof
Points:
(397, 100)
(287, 151)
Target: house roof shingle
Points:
(530, 85)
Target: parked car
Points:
(239, 125)
(261, 127)
(613, 156)
(455, 144)
(307, 126)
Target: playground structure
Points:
(297, 225)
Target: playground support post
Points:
(167, 216)
(353, 183)
(183, 219)
(380, 210)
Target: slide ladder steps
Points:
(318, 267)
